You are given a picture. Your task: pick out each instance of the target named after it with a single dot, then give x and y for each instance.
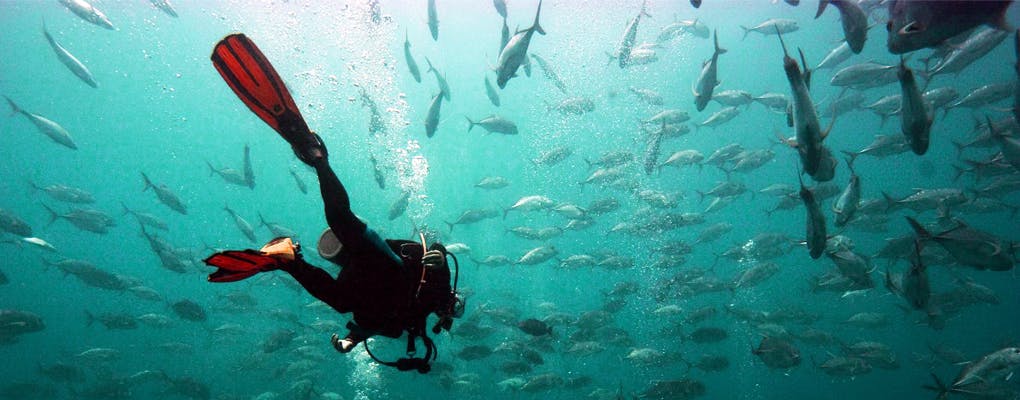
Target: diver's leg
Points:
(348, 228)
(317, 282)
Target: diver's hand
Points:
(433, 258)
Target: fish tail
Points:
(126, 209)
(536, 27)
(940, 388)
(959, 172)
(212, 170)
(148, 183)
(821, 7)
(450, 225)
(262, 221)
(53, 214)
(471, 124)
(89, 318)
(746, 31)
(14, 107)
(922, 234)
(889, 201)
(431, 68)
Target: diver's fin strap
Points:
(233, 265)
(252, 77)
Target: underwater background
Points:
(161, 109)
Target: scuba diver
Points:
(390, 286)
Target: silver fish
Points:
(974, 48)
(491, 92)
(70, 61)
(629, 36)
(652, 151)
(809, 135)
(494, 123)
(816, 231)
(165, 6)
(970, 246)
(241, 224)
(515, 53)
(49, 128)
(432, 117)
(433, 20)
(165, 196)
(409, 59)
(916, 120)
(444, 87)
(771, 27)
(399, 206)
(855, 22)
(65, 193)
(845, 206)
(708, 79)
(550, 73)
(88, 12)
(720, 117)
(835, 57)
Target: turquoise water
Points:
(162, 109)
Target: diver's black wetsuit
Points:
(374, 283)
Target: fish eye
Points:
(888, 26)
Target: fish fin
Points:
(536, 27)
(922, 234)
(821, 7)
(53, 214)
(14, 107)
(148, 183)
(471, 123)
(746, 31)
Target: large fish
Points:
(409, 59)
(70, 61)
(846, 204)
(49, 128)
(432, 117)
(165, 196)
(87, 12)
(491, 92)
(708, 79)
(444, 87)
(809, 134)
(970, 246)
(515, 53)
(835, 57)
(816, 231)
(993, 369)
(433, 20)
(976, 46)
(916, 24)
(916, 120)
(629, 36)
(855, 22)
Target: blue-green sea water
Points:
(161, 109)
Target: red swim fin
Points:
(238, 265)
(254, 80)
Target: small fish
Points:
(189, 310)
(49, 128)
(70, 61)
(708, 79)
(299, 182)
(444, 87)
(432, 117)
(855, 22)
(534, 327)
(916, 120)
(491, 92)
(249, 173)
(399, 206)
(623, 52)
(433, 20)
(165, 196)
(165, 6)
(146, 218)
(409, 59)
(845, 206)
(88, 12)
(241, 224)
(772, 26)
(816, 232)
(494, 123)
(550, 73)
